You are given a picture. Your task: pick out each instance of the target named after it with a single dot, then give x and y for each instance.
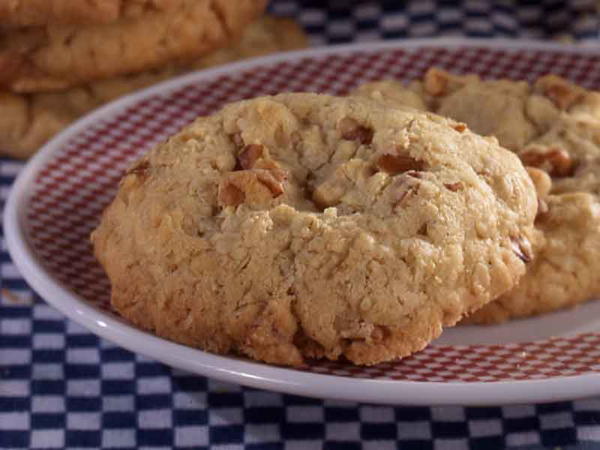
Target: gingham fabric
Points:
(62, 387)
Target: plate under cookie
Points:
(58, 197)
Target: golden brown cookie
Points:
(305, 225)
(77, 12)
(56, 57)
(552, 125)
(27, 121)
(564, 271)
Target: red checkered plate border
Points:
(58, 198)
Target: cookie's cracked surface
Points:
(554, 126)
(305, 225)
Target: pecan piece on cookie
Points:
(454, 187)
(399, 163)
(249, 155)
(230, 195)
(460, 127)
(553, 160)
(351, 130)
(253, 187)
(560, 91)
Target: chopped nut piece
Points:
(351, 130)
(230, 195)
(255, 186)
(249, 154)
(454, 187)
(270, 165)
(522, 248)
(272, 181)
(399, 163)
(555, 161)
(560, 91)
(278, 173)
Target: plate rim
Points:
(245, 372)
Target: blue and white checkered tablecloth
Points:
(62, 387)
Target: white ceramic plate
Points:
(58, 197)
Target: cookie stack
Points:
(61, 58)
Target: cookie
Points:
(27, 121)
(55, 57)
(309, 226)
(564, 272)
(553, 125)
(44, 12)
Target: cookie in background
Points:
(23, 13)
(27, 121)
(55, 57)
(554, 127)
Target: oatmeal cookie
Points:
(77, 12)
(27, 121)
(553, 125)
(310, 226)
(55, 57)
